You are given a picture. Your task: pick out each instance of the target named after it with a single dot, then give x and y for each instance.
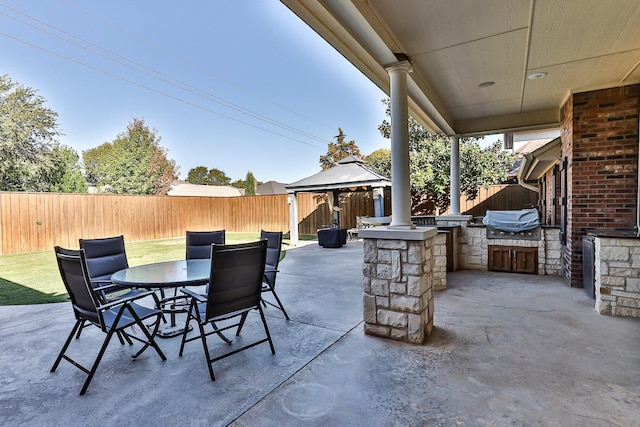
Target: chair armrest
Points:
(129, 299)
(197, 296)
(105, 287)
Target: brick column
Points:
(398, 268)
(600, 143)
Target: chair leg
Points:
(266, 329)
(241, 324)
(121, 335)
(97, 362)
(150, 336)
(203, 336)
(220, 334)
(186, 327)
(76, 328)
(150, 342)
(279, 306)
(79, 330)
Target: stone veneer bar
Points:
(617, 276)
(398, 267)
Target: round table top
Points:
(165, 274)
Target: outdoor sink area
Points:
(506, 349)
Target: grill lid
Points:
(513, 221)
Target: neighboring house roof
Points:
(182, 188)
(271, 187)
(537, 162)
(349, 174)
(525, 148)
(533, 145)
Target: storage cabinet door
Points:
(514, 259)
(499, 258)
(525, 260)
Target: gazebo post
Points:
(293, 218)
(378, 201)
(336, 212)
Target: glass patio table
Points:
(166, 275)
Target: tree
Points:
(380, 160)
(338, 150)
(250, 185)
(202, 176)
(134, 163)
(430, 160)
(67, 177)
(198, 175)
(217, 177)
(30, 157)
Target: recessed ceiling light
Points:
(486, 84)
(536, 76)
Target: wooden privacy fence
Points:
(39, 221)
(499, 198)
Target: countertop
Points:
(616, 233)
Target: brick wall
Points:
(600, 140)
(549, 198)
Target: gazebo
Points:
(349, 174)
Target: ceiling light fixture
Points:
(486, 84)
(537, 76)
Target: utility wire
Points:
(163, 77)
(175, 98)
(191, 63)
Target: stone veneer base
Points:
(398, 268)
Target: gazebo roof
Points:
(349, 174)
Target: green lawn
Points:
(33, 277)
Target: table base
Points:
(172, 331)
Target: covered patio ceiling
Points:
(491, 66)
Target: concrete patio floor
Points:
(507, 349)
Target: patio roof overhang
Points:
(472, 68)
(482, 67)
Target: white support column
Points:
(454, 188)
(293, 218)
(400, 179)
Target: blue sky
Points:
(252, 56)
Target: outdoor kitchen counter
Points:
(623, 233)
(481, 225)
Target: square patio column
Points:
(398, 270)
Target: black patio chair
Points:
(114, 317)
(234, 290)
(105, 257)
(199, 243)
(274, 249)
